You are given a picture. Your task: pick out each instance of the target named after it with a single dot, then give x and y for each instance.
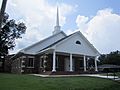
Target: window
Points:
(78, 42)
(31, 62)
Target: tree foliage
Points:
(111, 58)
(9, 32)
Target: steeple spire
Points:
(57, 27)
(57, 21)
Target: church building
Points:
(59, 53)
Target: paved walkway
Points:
(103, 76)
(91, 75)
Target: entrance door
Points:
(67, 64)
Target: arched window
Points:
(78, 42)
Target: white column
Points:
(54, 62)
(96, 68)
(71, 63)
(84, 63)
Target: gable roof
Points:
(56, 42)
(42, 41)
(61, 40)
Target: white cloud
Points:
(39, 17)
(102, 30)
(70, 31)
(82, 22)
(0, 2)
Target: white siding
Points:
(69, 46)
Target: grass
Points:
(27, 82)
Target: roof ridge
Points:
(57, 41)
(40, 41)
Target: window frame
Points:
(29, 66)
(78, 42)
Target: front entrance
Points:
(67, 64)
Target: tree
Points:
(10, 31)
(111, 58)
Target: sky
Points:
(98, 20)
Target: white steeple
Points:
(57, 27)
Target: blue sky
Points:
(87, 8)
(98, 20)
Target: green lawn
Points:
(27, 82)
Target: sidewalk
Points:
(90, 75)
(102, 76)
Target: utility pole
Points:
(2, 11)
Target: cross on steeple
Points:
(57, 27)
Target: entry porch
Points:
(60, 62)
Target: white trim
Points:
(23, 61)
(71, 63)
(54, 61)
(84, 63)
(96, 68)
